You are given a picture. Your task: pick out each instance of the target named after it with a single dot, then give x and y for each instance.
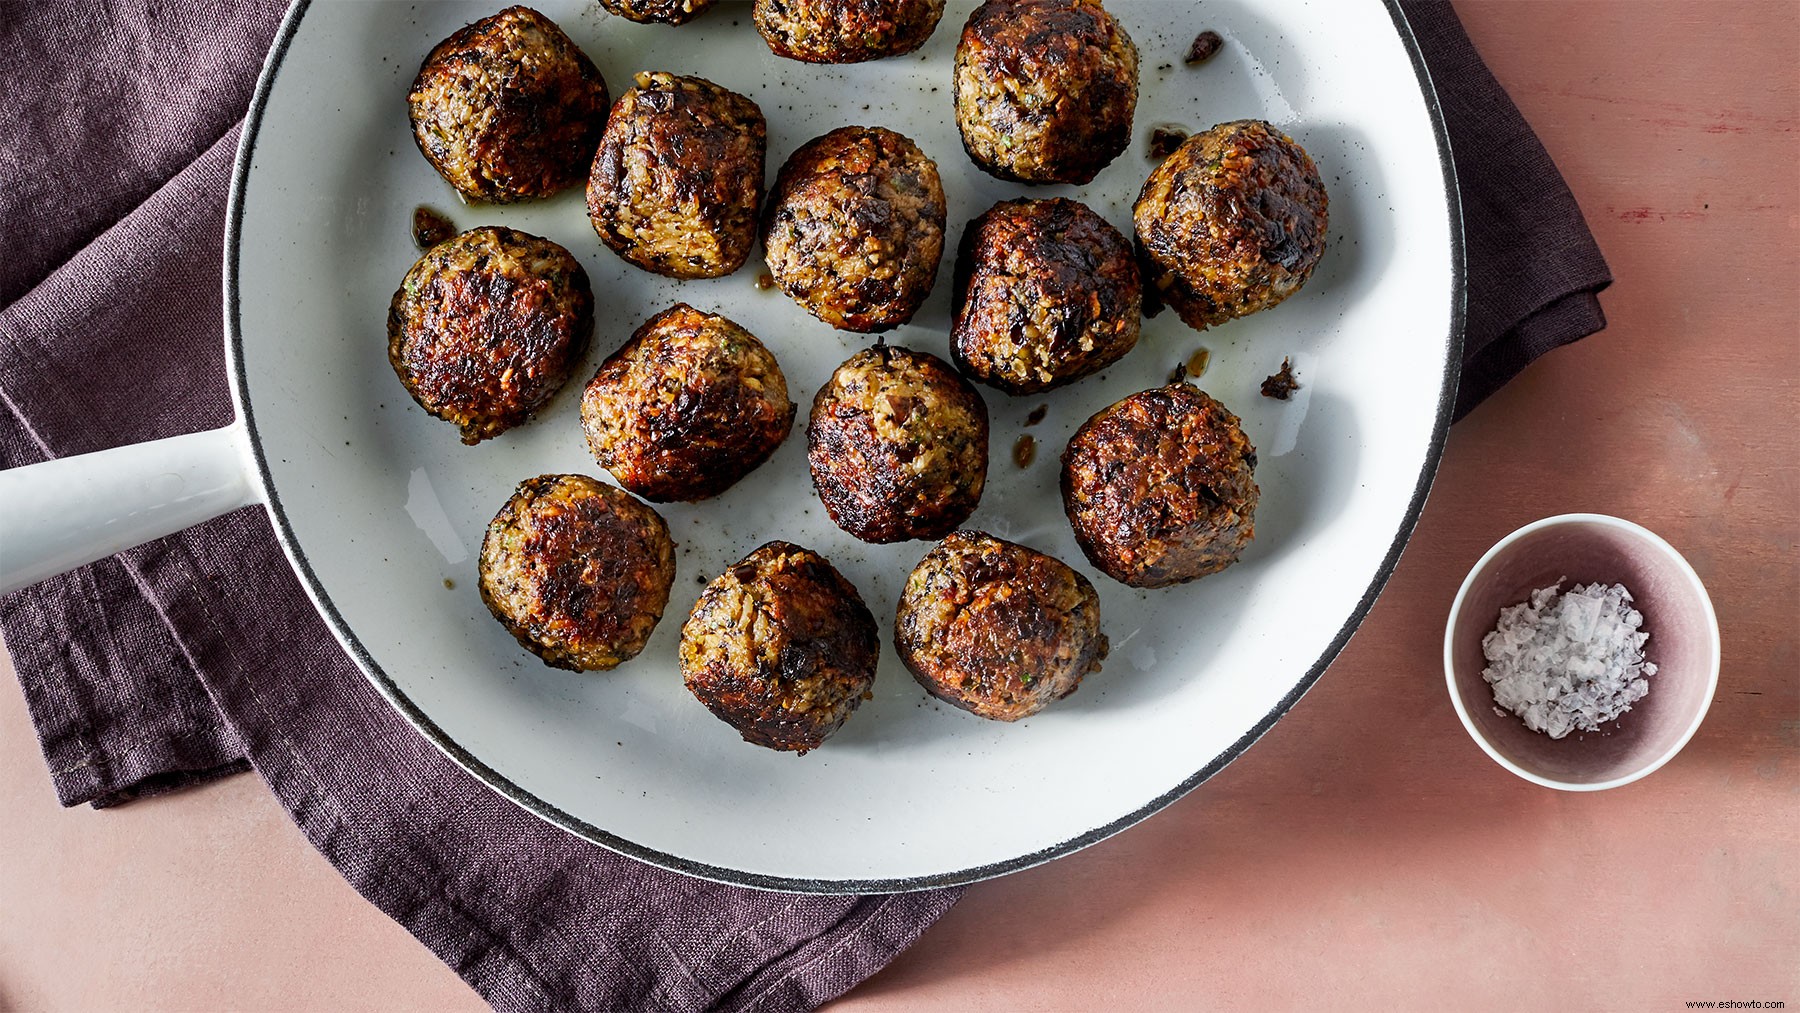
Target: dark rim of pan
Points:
(272, 68)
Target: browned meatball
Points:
(1161, 487)
(996, 628)
(781, 648)
(898, 445)
(678, 175)
(1233, 222)
(846, 31)
(1046, 293)
(1045, 89)
(487, 326)
(508, 108)
(663, 12)
(688, 406)
(855, 228)
(577, 570)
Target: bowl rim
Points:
(1649, 537)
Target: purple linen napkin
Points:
(190, 657)
(1535, 272)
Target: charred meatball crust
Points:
(855, 228)
(897, 442)
(846, 31)
(1045, 89)
(508, 108)
(487, 326)
(678, 176)
(1233, 222)
(577, 570)
(1161, 487)
(688, 406)
(996, 628)
(658, 12)
(781, 648)
(1047, 292)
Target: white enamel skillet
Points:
(380, 508)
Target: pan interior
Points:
(383, 509)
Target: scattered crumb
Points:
(765, 281)
(1281, 385)
(1037, 415)
(1206, 45)
(1025, 451)
(449, 585)
(1165, 138)
(430, 227)
(1195, 366)
(1197, 362)
(1568, 661)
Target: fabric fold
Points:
(106, 102)
(1534, 270)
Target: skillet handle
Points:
(61, 514)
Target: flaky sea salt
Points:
(1563, 662)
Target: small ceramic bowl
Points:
(1684, 644)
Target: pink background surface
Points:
(1364, 852)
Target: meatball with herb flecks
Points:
(996, 628)
(688, 406)
(1160, 487)
(508, 108)
(678, 176)
(1045, 90)
(1233, 222)
(846, 31)
(658, 12)
(854, 228)
(487, 326)
(781, 648)
(577, 570)
(1046, 293)
(898, 446)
